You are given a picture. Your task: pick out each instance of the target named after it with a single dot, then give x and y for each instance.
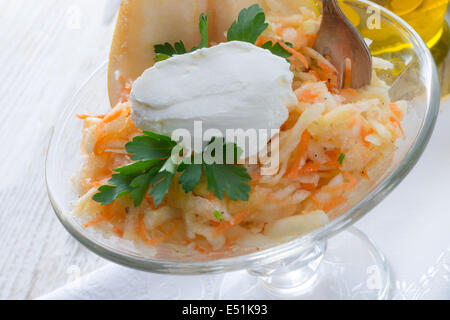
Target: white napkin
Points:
(114, 282)
(411, 227)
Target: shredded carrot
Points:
(333, 163)
(325, 67)
(364, 133)
(226, 225)
(214, 223)
(229, 242)
(212, 196)
(125, 94)
(333, 203)
(334, 157)
(141, 229)
(315, 74)
(308, 186)
(122, 81)
(113, 116)
(309, 168)
(118, 231)
(85, 116)
(256, 176)
(94, 221)
(398, 124)
(364, 174)
(110, 213)
(396, 110)
(151, 202)
(280, 31)
(333, 154)
(222, 228)
(350, 91)
(332, 81)
(203, 249)
(156, 241)
(293, 172)
(339, 187)
(344, 186)
(107, 212)
(353, 120)
(348, 73)
(99, 147)
(264, 227)
(353, 182)
(295, 53)
(186, 242)
(103, 137)
(295, 62)
(306, 96)
(316, 202)
(238, 218)
(292, 51)
(142, 232)
(311, 39)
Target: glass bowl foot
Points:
(349, 266)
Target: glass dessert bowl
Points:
(309, 266)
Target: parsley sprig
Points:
(251, 23)
(221, 178)
(154, 170)
(166, 50)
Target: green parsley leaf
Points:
(249, 26)
(140, 186)
(138, 168)
(276, 49)
(231, 152)
(203, 27)
(231, 179)
(153, 155)
(118, 186)
(166, 50)
(161, 184)
(154, 171)
(150, 146)
(191, 177)
(341, 158)
(161, 57)
(218, 215)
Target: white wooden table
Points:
(47, 49)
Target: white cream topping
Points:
(233, 85)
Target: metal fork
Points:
(338, 39)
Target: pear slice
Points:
(143, 23)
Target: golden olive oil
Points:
(427, 17)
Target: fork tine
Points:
(339, 39)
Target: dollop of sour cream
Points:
(234, 85)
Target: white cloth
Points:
(411, 227)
